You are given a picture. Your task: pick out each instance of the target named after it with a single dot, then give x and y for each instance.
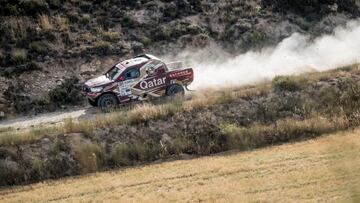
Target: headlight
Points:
(96, 89)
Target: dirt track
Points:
(58, 117)
(49, 118)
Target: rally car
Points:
(140, 78)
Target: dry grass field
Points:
(326, 169)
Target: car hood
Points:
(99, 81)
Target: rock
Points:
(2, 100)
(86, 68)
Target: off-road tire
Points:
(108, 101)
(175, 90)
(92, 103)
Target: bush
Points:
(258, 135)
(18, 57)
(45, 22)
(128, 22)
(55, 4)
(146, 41)
(67, 93)
(91, 157)
(286, 83)
(100, 48)
(139, 151)
(350, 95)
(33, 7)
(111, 36)
(86, 6)
(38, 47)
(300, 6)
(10, 173)
(121, 155)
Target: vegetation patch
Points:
(67, 93)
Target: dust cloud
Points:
(297, 54)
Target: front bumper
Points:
(90, 95)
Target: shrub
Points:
(73, 17)
(258, 135)
(146, 41)
(128, 22)
(100, 48)
(55, 4)
(350, 95)
(145, 150)
(38, 47)
(139, 151)
(111, 36)
(34, 7)
(66, 93)
(10, 173)
(37, 170)
(7, 9)
(91, 157)
(84, 20)
(85, 127)
(63, 23)
(286, 83)
(16, 28)
(120, 155)
(242, 138)
(18, 57)
(85, 6)
(45, 23)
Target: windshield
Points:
(115, 72)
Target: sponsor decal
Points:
(180, 73)
(125, 87)
(152, 83)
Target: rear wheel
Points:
(108, 101)
(175, 90)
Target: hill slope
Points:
(326, 169)
(288, 109)
(45, 42)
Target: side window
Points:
(155, 68)
(150, 70)
(131, 74)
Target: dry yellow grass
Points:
(45, 23)
(326, 169)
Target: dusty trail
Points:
(53, 118)
(58, 117)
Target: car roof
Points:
(133, 62)
(140, 59)
(148, 56)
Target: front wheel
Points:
(175, 90)
(108, 101)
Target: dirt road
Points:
(49, 118)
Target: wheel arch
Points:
(104, 93)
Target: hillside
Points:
(48, 47)
(290, 108)
(326, 169)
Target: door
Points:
(130, 79)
